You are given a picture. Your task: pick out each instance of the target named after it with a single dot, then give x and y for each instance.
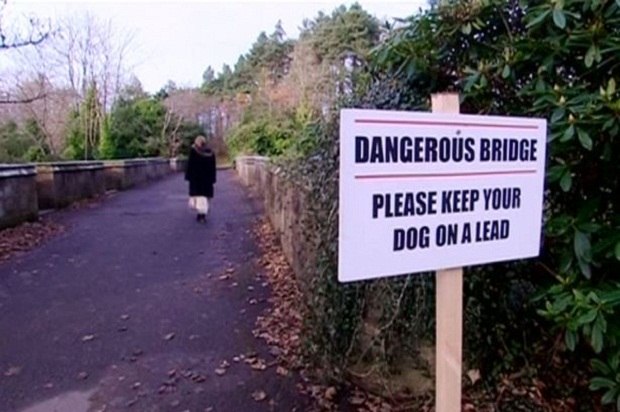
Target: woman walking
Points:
(201, 175)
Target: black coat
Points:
(201, 172)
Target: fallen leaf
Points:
(473, 375)
(198, 378)
(257, 364)
(330, 393)
(259, 396)
(356, 400)
(13, 371)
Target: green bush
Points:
(142, 127)
(266, 136)
(22, 142)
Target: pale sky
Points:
(178, 40)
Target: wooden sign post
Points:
(448, 311)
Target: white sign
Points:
(423, 191)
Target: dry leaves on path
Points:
(223, 368)
(256, 363)
(281, 325)
(26, 236)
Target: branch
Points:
(25, 100)
(22, 43)
(179, 121)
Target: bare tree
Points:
(209, 112)
(14, 36)
(50, 112)
(85, 55)
(89, 50)
(169, 132)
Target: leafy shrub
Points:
(557, 60)
(273, 136)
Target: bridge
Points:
(136, 306)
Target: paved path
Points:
(128, 303)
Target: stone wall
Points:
(24, 189)
(178, 165)
(61, 183)
(285, 204)
(158, 168)
(18, 194)
(124, 174)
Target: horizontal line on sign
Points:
(444, 175)
(440, 123)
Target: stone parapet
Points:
(18, 194)
(61, 183)
(285, 203)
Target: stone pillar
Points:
(18, 194)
